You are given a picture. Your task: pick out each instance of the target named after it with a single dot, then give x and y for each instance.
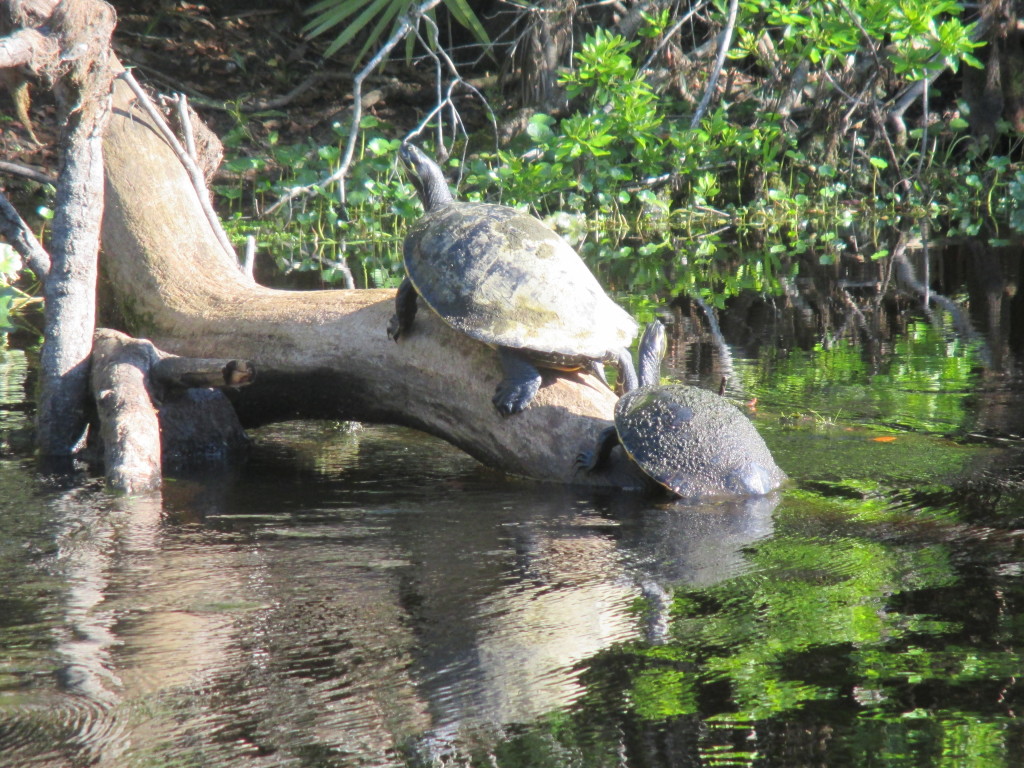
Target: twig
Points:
(723, 49)
(256, 105)
(193, 170)
(406, 24)
(341, 266)
(186, 125)
(261, 105)
(249, 262)
(20, 236)
(670, 34)
(724, 353)
(924, 142)
(17, 169)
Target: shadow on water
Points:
(371, 597)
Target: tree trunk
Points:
(82, 83)
(319, 354)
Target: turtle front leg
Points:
(405, 310)
(521, 382)
(596, 459)
(627, 373)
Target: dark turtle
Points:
(693, 442)
(504, 278)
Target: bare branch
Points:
(407, 24)
(665, 38)
(20, 236)
(26, 172)
(187, 162)
(724, 42)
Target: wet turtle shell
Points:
(506, 279)
(694, 442)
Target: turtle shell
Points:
(695, 442)
(506, 279)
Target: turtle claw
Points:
(521, 382)
(394, 328)
(585, 461)
(512, 397)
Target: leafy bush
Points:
(648, 200)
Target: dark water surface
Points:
(373, 597)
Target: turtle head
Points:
(426, 176)
(650, 353)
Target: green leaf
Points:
(464, 15)
(345, 11)
(10, 261)
(878, 163)
(378, 29)
(334, 13)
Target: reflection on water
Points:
(288, 617)
(372, 597)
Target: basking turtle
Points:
(504, 278)
(689, 440)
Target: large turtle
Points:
(691, 441)
(506, 279)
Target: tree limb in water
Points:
(320, 354)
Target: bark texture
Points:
(81, 80)
(156, 412)
(319, 354)
(129, 427)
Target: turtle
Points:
(503, 277)
(685, 439)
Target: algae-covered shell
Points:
(506, 279)
(695, 442)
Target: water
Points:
(373, 597)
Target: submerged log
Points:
(320, 354)
(129, 427)
(150, 421)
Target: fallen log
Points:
(155, 411)
(129, 427)
(320, 354)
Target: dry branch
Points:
(20, 236)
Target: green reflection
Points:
(832, 648)
(925, 384)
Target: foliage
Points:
(318, 235)
(924, 35)
(648, 201)
(356, 15)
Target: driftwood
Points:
(129, 427)
(320, 354)
(150, 417)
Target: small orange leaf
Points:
(886, 439)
